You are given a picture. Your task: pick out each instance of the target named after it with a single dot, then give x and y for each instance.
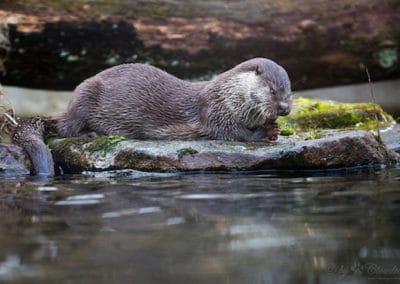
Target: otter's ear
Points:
(258, 70)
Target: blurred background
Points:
(47, 47)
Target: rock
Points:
(13, 160)
(311, 116)
(391, 137)
(343, 149)
(337, 150)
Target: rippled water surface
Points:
(202, 228)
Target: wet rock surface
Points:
(339, 150)
(13, 160)
(336, 150)
(391, 138)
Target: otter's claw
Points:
(273, 131)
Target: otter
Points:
(140, 101)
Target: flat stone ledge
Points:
(339, 149)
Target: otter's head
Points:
(258, 90)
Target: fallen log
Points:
(56, 44)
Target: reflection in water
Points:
(82, 199)
(256, 236)
(199, 228)
(47, 188)
(131, 211)
(12, 268)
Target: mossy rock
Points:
(315, 115)
(105, 144)
(344, 149)
(184, 151)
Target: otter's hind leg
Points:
(76, 120)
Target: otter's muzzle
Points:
(284, 109)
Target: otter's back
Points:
(126, 99)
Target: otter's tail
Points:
(29, 134)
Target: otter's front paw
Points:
(273, 131)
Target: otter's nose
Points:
(283, 109)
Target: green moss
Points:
(314, 134)
(309, 115)
(64, 146)
(50, 135)
(286, 132)
(387, 56)
(64, 153)
(286, 129)
(184, 151)
(105, 144)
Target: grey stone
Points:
(342, 149)
(13, 160)
(391, 137)
(337, 150)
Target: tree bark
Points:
(320, 43)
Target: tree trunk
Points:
(57, 44)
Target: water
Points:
(202, 228)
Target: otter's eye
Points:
(272, 91)
(258, 70)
